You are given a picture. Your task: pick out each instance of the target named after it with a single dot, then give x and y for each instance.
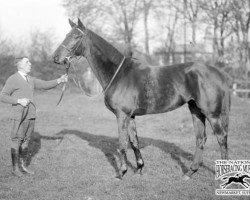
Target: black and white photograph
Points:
(124, 99)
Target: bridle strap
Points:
(77, 82)
(66, 48)
(76, 46)
(81, 31)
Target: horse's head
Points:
(72, 45)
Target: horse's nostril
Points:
(56, 58)
(65, 61)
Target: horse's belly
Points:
(163, 102)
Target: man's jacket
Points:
(16, 87)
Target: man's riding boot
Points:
(15, 162)
(23, 159)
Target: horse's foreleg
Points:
(123, 122)
(199, 128)
(135, 144)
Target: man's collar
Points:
(22, 73)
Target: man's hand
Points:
(24, 102)
(63, 79)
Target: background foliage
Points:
(159, 31)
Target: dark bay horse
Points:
(132, 88)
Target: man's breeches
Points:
(22, 131)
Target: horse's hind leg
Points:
(199, 128)
(244, 182)
(135, 144)
(220, 128)
(219, 123)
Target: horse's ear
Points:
(72, 24)
(80, 24)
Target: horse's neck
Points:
(104, 60)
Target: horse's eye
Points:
(76, 36)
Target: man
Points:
(18, 91)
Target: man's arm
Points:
(40, 84)
(7, 90)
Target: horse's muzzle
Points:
(56, 59)
(67, 60)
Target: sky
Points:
(19, 17)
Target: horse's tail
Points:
(225, 110)
(226, 104)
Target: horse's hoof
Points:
(121, 174)
(119, 177)
(186, 177)
(189, 173)
(138, 171)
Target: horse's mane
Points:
(110, 51)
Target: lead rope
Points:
(64, 85)
(77, 82)
(116, 72)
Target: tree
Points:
(6, 59)
(241, 13)
(147, 7)
(193, 10)
(91, 12)
(219, 14)
(40, 51)
(125, 14)
(168, 20)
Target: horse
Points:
(133, 88)
(236, 179)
